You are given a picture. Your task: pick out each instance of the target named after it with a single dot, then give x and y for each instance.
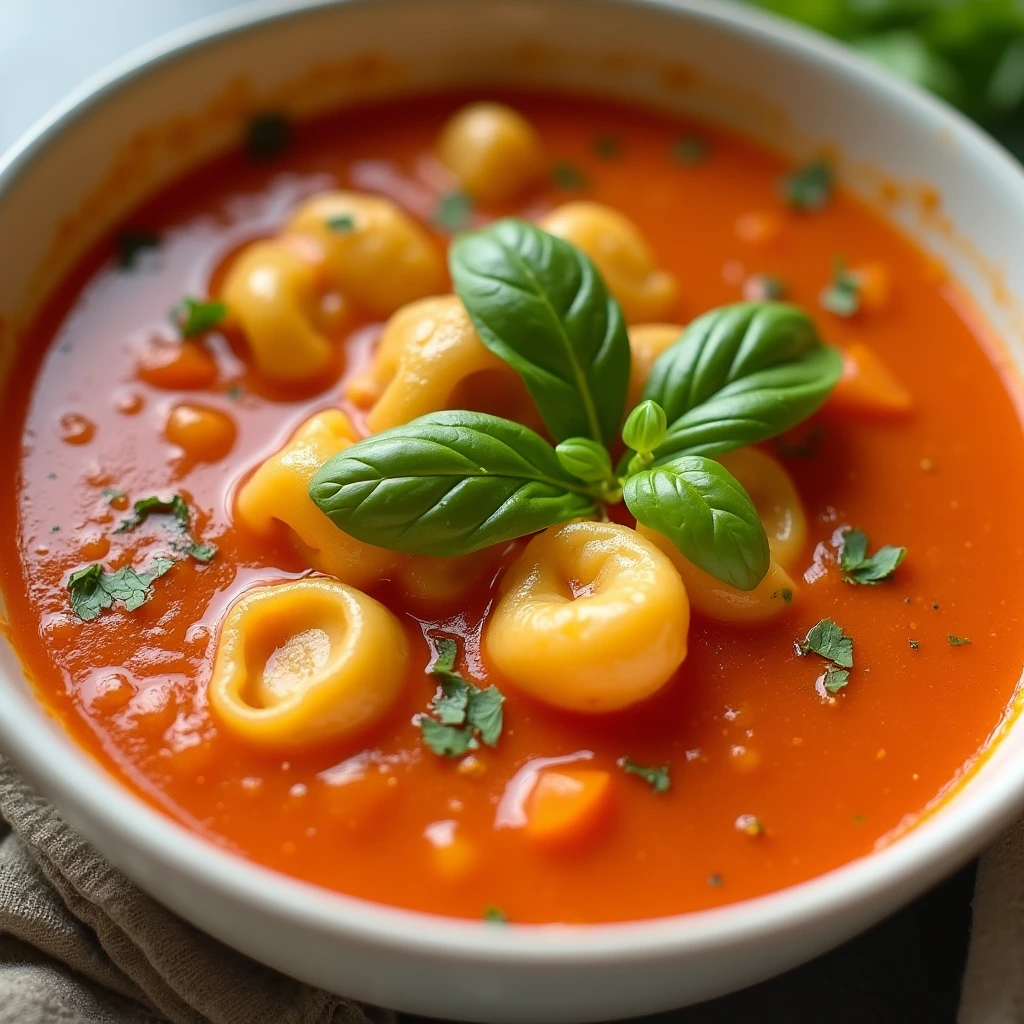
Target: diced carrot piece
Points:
(565, 807)
(868, 386)
(760, 227)
(205, 435)
(874, 285)
(177, 366)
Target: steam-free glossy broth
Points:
(774, 779)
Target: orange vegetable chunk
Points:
(868, 386)
(567, 806)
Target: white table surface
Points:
(47, 47)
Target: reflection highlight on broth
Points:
(529, 508)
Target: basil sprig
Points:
(539, 303)
(703, 509)
(448, 483)
(452, 482)
(740, 374)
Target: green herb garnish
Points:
(859, 567)
(785, 593)
(658, 778)
(607, 147)
(689, 150)
(93, 589)
(267, 136)
(341, 222)
(178, 509)
(453, 482)
(764, 288)
(193, 317)
(830, 642)
(809, 187)
(464, 714)
(495, 915)
(835, 679)
(112, 494)
(454, 212)
(131, 243)
(568, 176)
(957, 641)
(842, 296)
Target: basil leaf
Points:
(539, 303)
(447, 484)
(738, 375)
(93, 589)
(703, 509)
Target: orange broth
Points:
(741, 725)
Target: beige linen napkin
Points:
(81, 944)
(993, 991)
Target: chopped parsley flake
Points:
(715, 880)
(764, 288)
(842, 296)
(464, 714)
(830, 642)
(193, 317)
(658, 778)
(132, 243)
(859, 567)
(568, 176)
(236, 392)
(454, 212)
(835, 678)
(93, 589)
(809, 187)
(607, 147)
(859, 819)
(341, 222)
(806, 448)
(177, 507)
(689, 150)
(267, 136)
(785, 593)
(957, 641)
(495, 915)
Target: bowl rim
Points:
(50, 758)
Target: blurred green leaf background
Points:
(970, 52)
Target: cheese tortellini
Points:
(304, 663)
(360, 251)
(775, 497)
(374, 253)
(592, 618)
(646, 343)
(431, 358)
(278, 492)
(622, 256)
(495, 153)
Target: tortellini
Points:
(361, 251)
(621, 255)
(592, 617)
(495, 153)
(303, 663)
(278, 492)
(430, 358)
(775, 497)
(778, 504)
(272, 293)
(374, 253)
(646, 343)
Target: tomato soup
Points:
(723, 743)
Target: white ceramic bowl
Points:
(70, 179)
